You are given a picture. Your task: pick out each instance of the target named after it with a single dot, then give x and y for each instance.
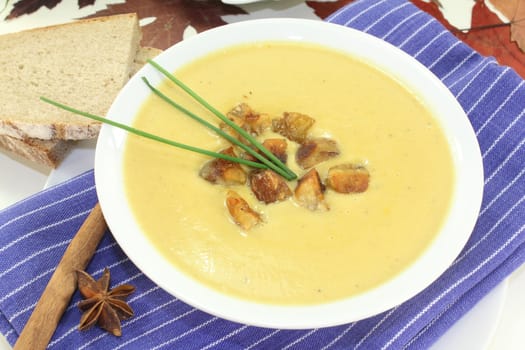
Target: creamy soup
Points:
(296, 256)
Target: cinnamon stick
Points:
(54, 300)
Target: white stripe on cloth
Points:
(505, 161)
(104, 248)
(505, 189)
(365, 11)
(115, 264)
(429, 325)
(227, 336)
(377, 325)
(469, 83)
(43, 228)
(444, 54)
(391, 11)
(397, 26)
(173, 340)
(300, 339)
(483, 63)
(489, 232)
(488, 90)
(34, 255)
(27, 284)
(500, 136)
(416, 32)
(263, 339)
(457, 67)
(430, 43)
(503, 104)
(22, 311)
(339, 336)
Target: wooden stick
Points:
(54, 300)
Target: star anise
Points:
(101, 305)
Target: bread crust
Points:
(46, 152)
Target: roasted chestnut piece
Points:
(268, 186)
(309, 191)
(222, 171)
(294, 126)
(316, 150)
(240, 211)
(348, 178)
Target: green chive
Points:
(246, 135)
(217, 130)
(153, 136)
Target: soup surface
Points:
(296, 256)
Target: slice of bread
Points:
(46, 152)
(83, 64)
(51, 152)
(143, 55)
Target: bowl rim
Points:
(399, 65)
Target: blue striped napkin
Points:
(35, 232)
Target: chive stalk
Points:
(153, 136)
(217, 130)
(290, 174)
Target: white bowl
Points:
(432, 263)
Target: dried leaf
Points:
(517, 28)
(433, 9)
(437, 2)
(491, 38)
(26, 7)
(506, 7)
(172, 17)
(84, 3)
(324, 9)
(514, 10)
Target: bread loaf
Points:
(51, 152)
(83, 64)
